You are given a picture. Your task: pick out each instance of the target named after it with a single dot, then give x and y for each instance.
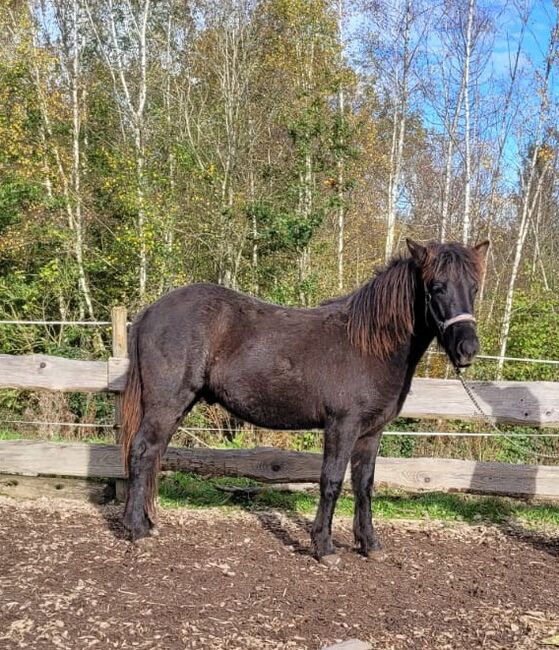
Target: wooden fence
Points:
(528, 403)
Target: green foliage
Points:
(17, 195)
(280, 231)
(534, 333)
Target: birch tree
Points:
(467, 114)
(121, 34)
(399, 117)
(69, 22)
(340, 151)
(532, 178)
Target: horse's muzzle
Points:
(466, 350)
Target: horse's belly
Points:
(272, 411)
(274, 398)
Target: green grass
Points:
(6, 434)
(191, 491)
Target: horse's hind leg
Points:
(339, 438)
(363, 460)
(158, 425)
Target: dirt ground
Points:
(68, 579)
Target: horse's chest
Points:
(385, 401)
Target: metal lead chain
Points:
(491, 420)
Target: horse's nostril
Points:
(467, 348)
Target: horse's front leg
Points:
(363, 459)
(339, 438)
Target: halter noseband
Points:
(444, 325)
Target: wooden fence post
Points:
(120, 350)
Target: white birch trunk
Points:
(135, 113)
(71, 190)
(76, 162)
(528, 204)
(530, 197)
(468, 156)
(340, 160)
(448, 165)
(503, 135)
(399, 133)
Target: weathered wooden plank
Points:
(34, 458)
(265, 464)
(514, 402)
(450, 475)
(528, 403)
(37, 487)
(117, 369)
(278, 466)
(120, 351)
(41, 371)
(532, 403)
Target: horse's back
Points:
(177, 334)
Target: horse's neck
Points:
(422, 336)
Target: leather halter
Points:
(444, 325)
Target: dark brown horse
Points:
(345, 366)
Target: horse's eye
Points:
(475, 289)
(438, 288)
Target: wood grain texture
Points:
(509, 402)
(513, 402)
(450, 475)
(41, 371)
(271, 465)
(34, 458)
(38, 487)
(120, 351)
(116, 371)
(119, 331)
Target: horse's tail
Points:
(131, 406)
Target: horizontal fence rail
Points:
(272, 466)
(526, 403)
(509, 402)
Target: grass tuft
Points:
(191, 491)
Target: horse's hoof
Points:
(367, 546)
(331, 560)
(137, 530)
(144, 542)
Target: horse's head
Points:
(451, 274)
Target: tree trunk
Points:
(399, 133)
(340, 154)
(530, 197)
(468, 161)
(448, 166)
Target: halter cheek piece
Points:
(444, 325)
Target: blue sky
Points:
(502, 41)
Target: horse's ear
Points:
(482, 248)
(418, 252)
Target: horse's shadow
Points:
(274, 524)
(279, 527)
